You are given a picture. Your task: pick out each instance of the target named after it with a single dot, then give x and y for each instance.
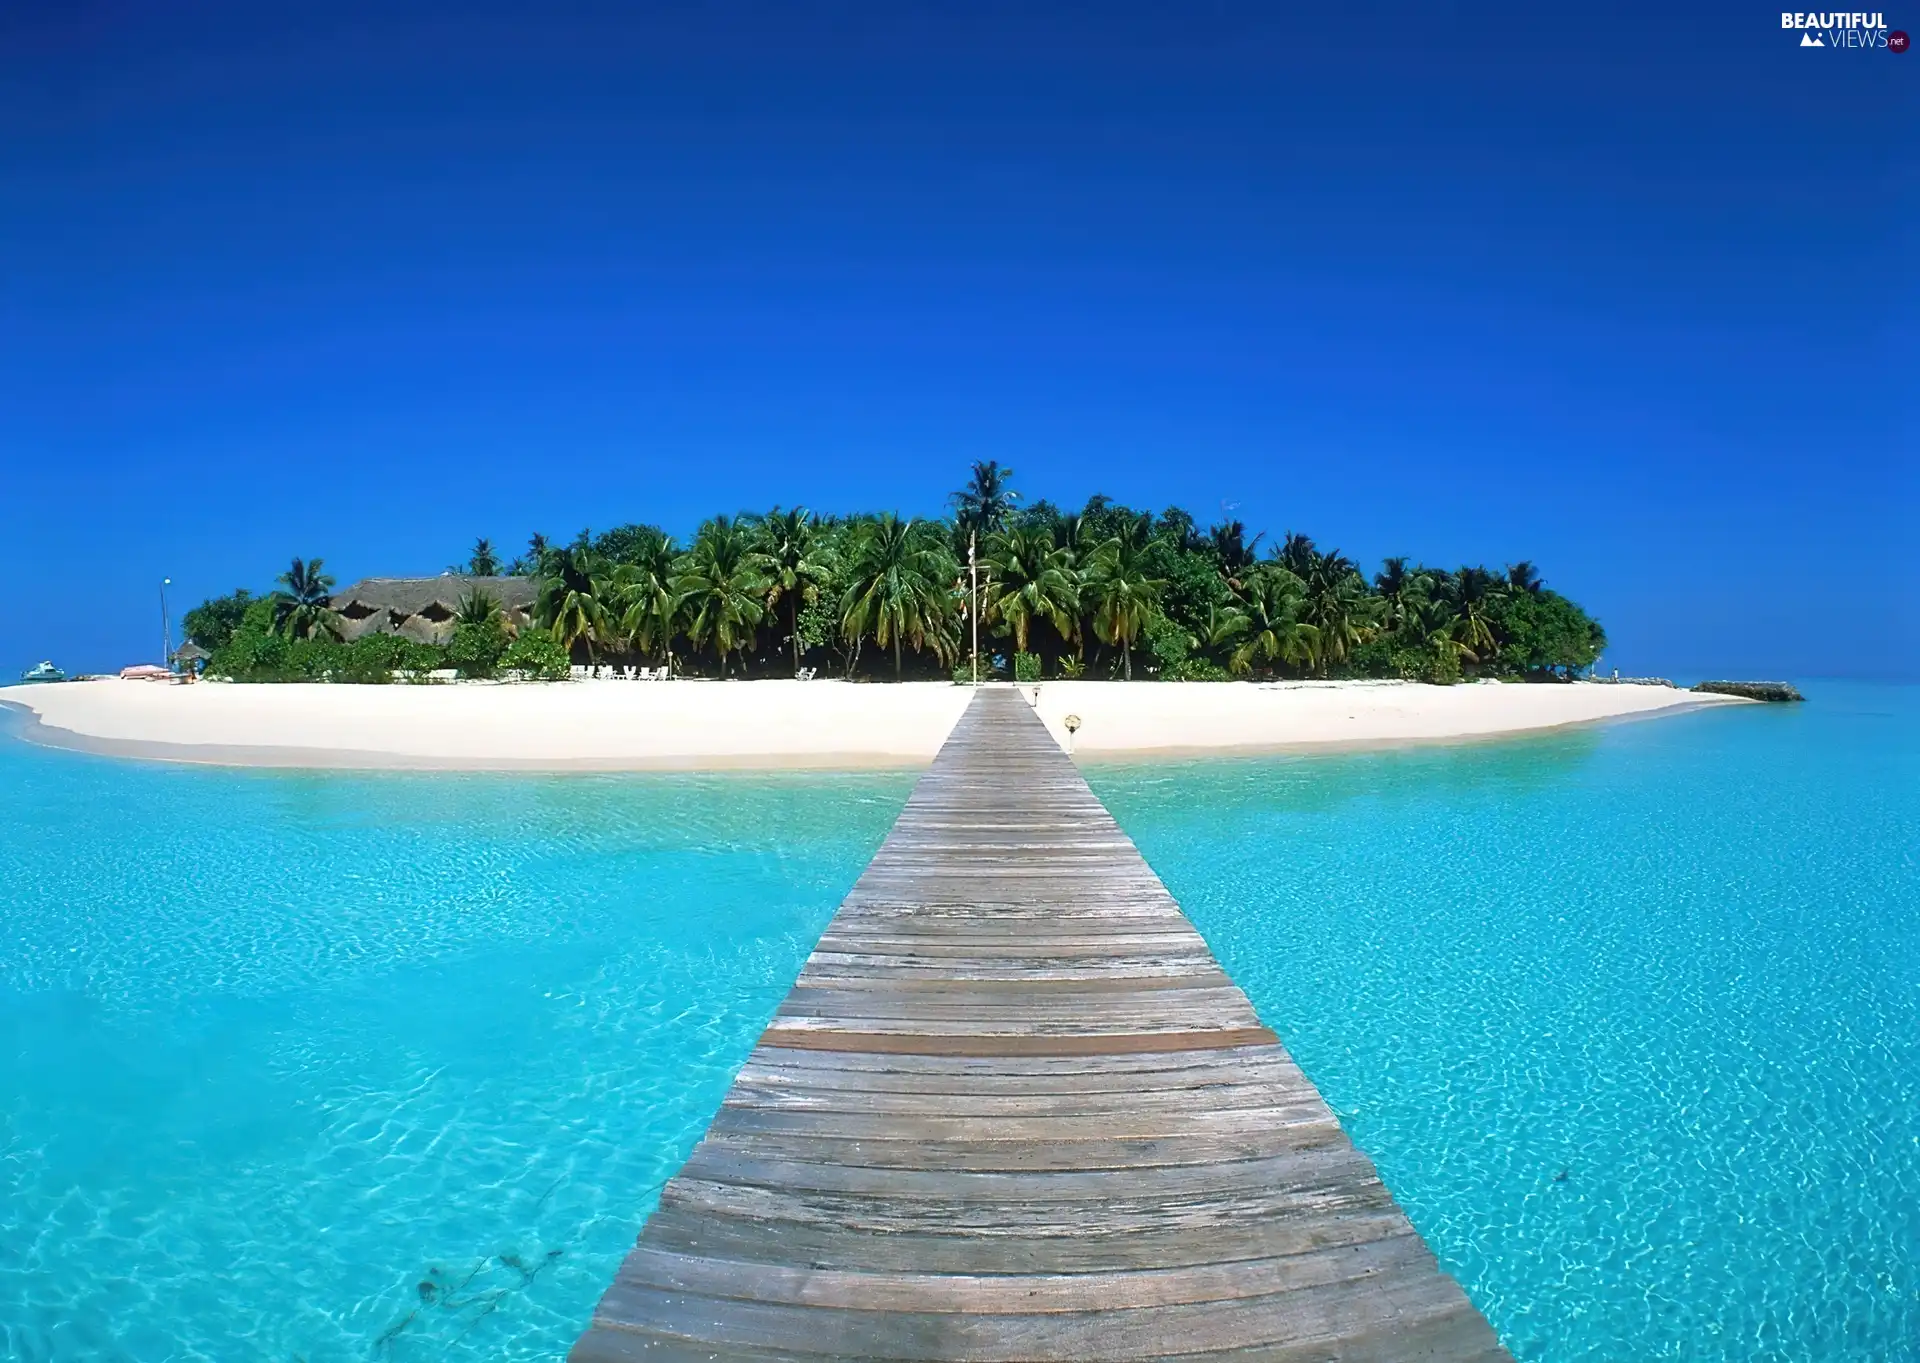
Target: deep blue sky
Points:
(1632, 296)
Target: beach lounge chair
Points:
(444, 674)
(805, 674)
(627, 673)
(579, 673)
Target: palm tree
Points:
(643, 592)
(1402, 591)
(1524, 577)
(1297, 555)
(1080, 537)
(1225, 622)
(1434, 628)
(981, 507)
(484, 562)
(528, 564)
(1033, 579)
(1337, 604)
(301, 611)
(796, 564)
(1123, 593)
(1470, 599)
(899, 590)
(1266, 627)
(721, 587)
(573, 597)
(1235, 552)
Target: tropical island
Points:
(770, 624)
(1106, 592)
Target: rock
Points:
(1760, 690)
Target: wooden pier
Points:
(1014, 1109)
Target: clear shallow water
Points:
(277, 1050)
(1678, 960)
(332, 1067)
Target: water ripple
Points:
(1626, 1017)
(339, 1067)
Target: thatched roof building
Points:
(423, 608)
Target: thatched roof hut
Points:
(190, 653)
(423, 608)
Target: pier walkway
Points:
(1014, 1109)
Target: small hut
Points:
(190, 659)
(423, 608)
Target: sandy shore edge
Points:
(1329, 746)
(32, 730)
(767, 726)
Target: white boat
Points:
(45, 672)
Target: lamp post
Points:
(973, 571)
(166, 626)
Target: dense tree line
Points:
(293, 634)
(1105, 591)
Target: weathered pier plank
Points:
(1013, 1109)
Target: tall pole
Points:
(166, 626)
(973, 571)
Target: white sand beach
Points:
(692, 725)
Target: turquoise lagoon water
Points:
(1629, 1017)
(349, 1067)
(336, 1067)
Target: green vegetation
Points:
(258, 651)
(1107, 591)
(536, 656)
(475, 650)
(722, 589)
(300, 608)
(212, 623)
(902, 588)
(483, 562)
